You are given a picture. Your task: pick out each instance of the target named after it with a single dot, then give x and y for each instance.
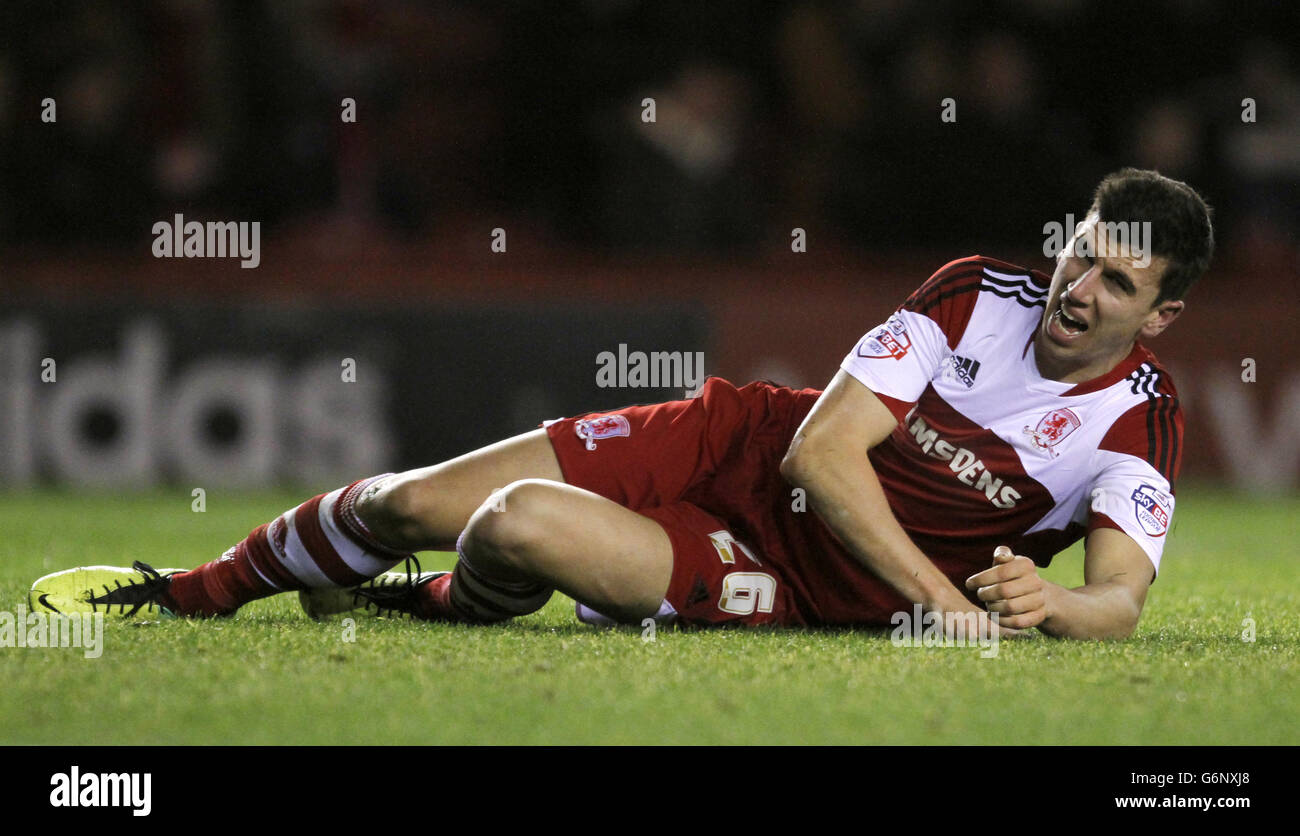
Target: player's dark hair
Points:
(1181, 230)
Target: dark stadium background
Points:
(668, 236)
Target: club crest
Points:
(1052, 429)
(606, 426)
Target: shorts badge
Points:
(606, 426)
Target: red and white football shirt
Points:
(988, 451)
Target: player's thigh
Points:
(592, 549)
(428, 507)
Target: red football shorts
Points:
(747, 549)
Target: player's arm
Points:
(828, 459)
(1116, 577)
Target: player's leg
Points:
(349, 535)
(641, 457)
(537, 535)
(599, 538)
(428, 508)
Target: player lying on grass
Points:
(998, 416)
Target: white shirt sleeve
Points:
(1136, 498)
(900, 357)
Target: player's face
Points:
(1101, 301)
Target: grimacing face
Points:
(1100, 302)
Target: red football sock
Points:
(320, 543)
(473, 596)
(225, 584)
(433, 601)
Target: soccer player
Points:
(995, 418)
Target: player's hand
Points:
(957, 625)
(1012, 589)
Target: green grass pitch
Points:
(272, 676)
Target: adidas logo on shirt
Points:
(965, 369)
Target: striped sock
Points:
(321, 543)
(475, 596)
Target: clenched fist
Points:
(1012, 589)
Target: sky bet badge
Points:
(889, 340)
(1152, 508)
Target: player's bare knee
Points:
(514, 522)
(396, 510)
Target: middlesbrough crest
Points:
(1052, 429)
(606, 426)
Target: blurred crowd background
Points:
(670, 235)
(824, 115)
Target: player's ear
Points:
(1162, 317)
